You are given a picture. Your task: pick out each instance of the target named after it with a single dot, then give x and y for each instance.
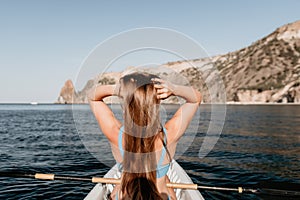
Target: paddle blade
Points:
(282, 189)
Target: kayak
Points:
(176, 175)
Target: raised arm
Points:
(104, 115)
(184, 115)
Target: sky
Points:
(44, 43)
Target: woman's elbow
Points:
(198, 98)
(91, 95)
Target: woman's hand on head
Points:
(163, 88)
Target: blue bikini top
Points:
(161, 170)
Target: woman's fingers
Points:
(162, 96)
(163, 90)
(157, 80)
(158, 86)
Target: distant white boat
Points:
(34, 103)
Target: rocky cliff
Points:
(67, 93)
(266, 71)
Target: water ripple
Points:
(258, 143)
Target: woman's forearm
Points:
(98, 93)
(190, 94)
(165, 89)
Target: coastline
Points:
(259, 103)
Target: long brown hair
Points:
(142, 127)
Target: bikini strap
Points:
(163, 151)
(166, 134)
(120, 140)
(117, 196)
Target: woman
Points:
(142, 146)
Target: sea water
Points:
(258, 143)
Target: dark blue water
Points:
(258, 143)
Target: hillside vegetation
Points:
(266, 71)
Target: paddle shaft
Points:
(239, 189)
(171, 185)
(86, 179)
(118, 181)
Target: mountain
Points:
(266, 71)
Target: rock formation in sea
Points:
(67, 93)
(266, 71)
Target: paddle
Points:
(264, 191)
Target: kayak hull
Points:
(176, 174)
